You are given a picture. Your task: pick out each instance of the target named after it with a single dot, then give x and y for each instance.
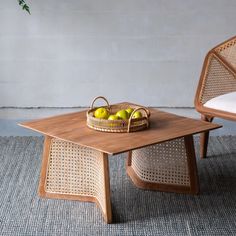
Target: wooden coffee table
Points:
(75, 158)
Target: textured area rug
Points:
(135, 212)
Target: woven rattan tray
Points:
(118, 126)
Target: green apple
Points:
(123, 114)
(113, 117)
(101, 113)
(129, 110)
(137, 114)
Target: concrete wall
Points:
(147, 51)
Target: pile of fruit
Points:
(103, 113)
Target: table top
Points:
(163, 127)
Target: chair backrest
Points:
(228, 51)
(218, 75)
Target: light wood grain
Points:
(43, 174)
(192, 166)
(108, 212)
(163, 127)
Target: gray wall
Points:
(147, 51)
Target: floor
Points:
(10, 117)
(135, 212)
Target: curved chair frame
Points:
(218, 77)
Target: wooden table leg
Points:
(73, 172)
(43, 174)
(107, 210)
(192, 165)
(169, 166)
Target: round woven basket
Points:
(118, 126)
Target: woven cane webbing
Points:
(164, 163)
(228, 51)
(218, 81)
(75, 170)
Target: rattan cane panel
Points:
(75, 170)
(228, 51)
(164, 163)
(218, 81)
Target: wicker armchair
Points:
(216, 92)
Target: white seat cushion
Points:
(226, 102)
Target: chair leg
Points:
(204, 138)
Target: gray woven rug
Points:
(135, 212)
